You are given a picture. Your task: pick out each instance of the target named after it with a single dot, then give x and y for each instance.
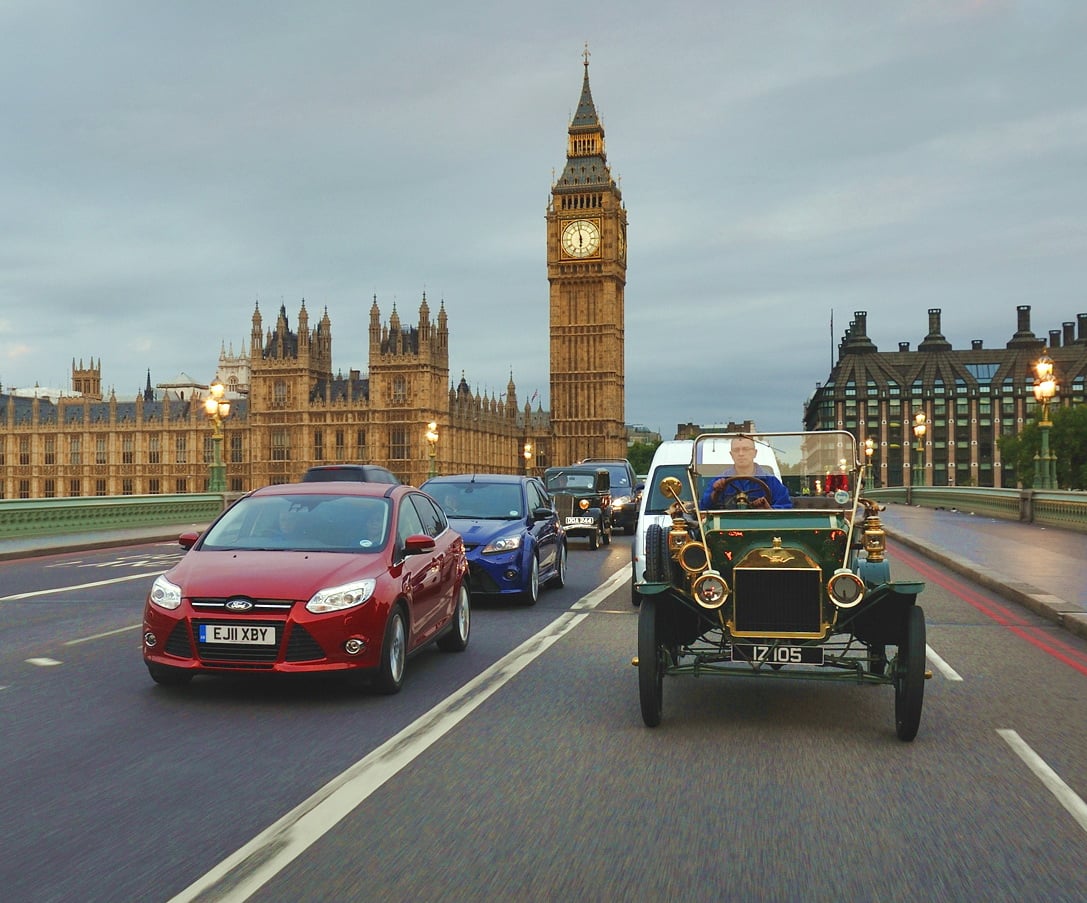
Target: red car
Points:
(311, 577)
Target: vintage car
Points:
(748, 580)
(582, 497)
(626, 492)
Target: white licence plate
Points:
(238, 634)
(580, 521)
(784, 655)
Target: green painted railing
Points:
(42, 517)
(1048, 508)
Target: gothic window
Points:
(209, 450)
(318, 445)
(181, 485)
(24, 489)
(153, 486)
(181, 451)
(360, 445)
(99, 487)
(279, 394)
(101, 454)
(24, 451)
(128, 450)
(235, 449)
(75, 489)
(50, 489)
(50, 450)
(154, 450)
(281, 446)
(398, 444)
(126, 487)
(400, 390)
(339, 445)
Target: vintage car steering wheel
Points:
(732, 502)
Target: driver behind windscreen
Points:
(743, 465)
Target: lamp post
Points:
(432, 442)
(920, 427)
(218, 409)
(1045, 387)
(528, 455)
(869, 451)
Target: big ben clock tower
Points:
(587, 271)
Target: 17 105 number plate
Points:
(777, 655)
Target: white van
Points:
(672, 459)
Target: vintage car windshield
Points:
(303, 523)
(479, 500)
(810, 465)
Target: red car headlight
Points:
(165, 594)
(337, 598)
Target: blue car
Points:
(511, 532)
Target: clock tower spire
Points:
(586, 269)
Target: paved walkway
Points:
(1042, 568)
(34, 546)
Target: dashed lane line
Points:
(71, 589)
(1065, 795)
(244, 872)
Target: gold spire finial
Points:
(586, 55)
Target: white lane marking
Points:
(244, 872)
(42, 662)
(943, 667)
(78, 586)
(101, 636)
(1065, 795)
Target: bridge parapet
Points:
(43, 517)
(1049, 508)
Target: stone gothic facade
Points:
(291, 410)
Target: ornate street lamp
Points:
(869, 451)
(920, 427)
(528, 456)
(218, 409)
(1045, 387)
(432, 442)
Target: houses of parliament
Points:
(289, 411)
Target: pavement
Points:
(36, 546)
(1040, 568)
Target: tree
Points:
(640, 454)
(1067, 440)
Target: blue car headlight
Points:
(337, 598)
(503, 544)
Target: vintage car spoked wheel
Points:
(658, 559)
(650, 664)
(909, 676)
(719, 494)
(594, 540)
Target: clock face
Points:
(622, 243)
(581, 238)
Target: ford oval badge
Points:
(238, 605)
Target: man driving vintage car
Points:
(745, 479)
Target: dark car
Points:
(626, 491)
(347, 578)
(511, 531)
(582, 496)
(353, 473)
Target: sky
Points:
(166, 166)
